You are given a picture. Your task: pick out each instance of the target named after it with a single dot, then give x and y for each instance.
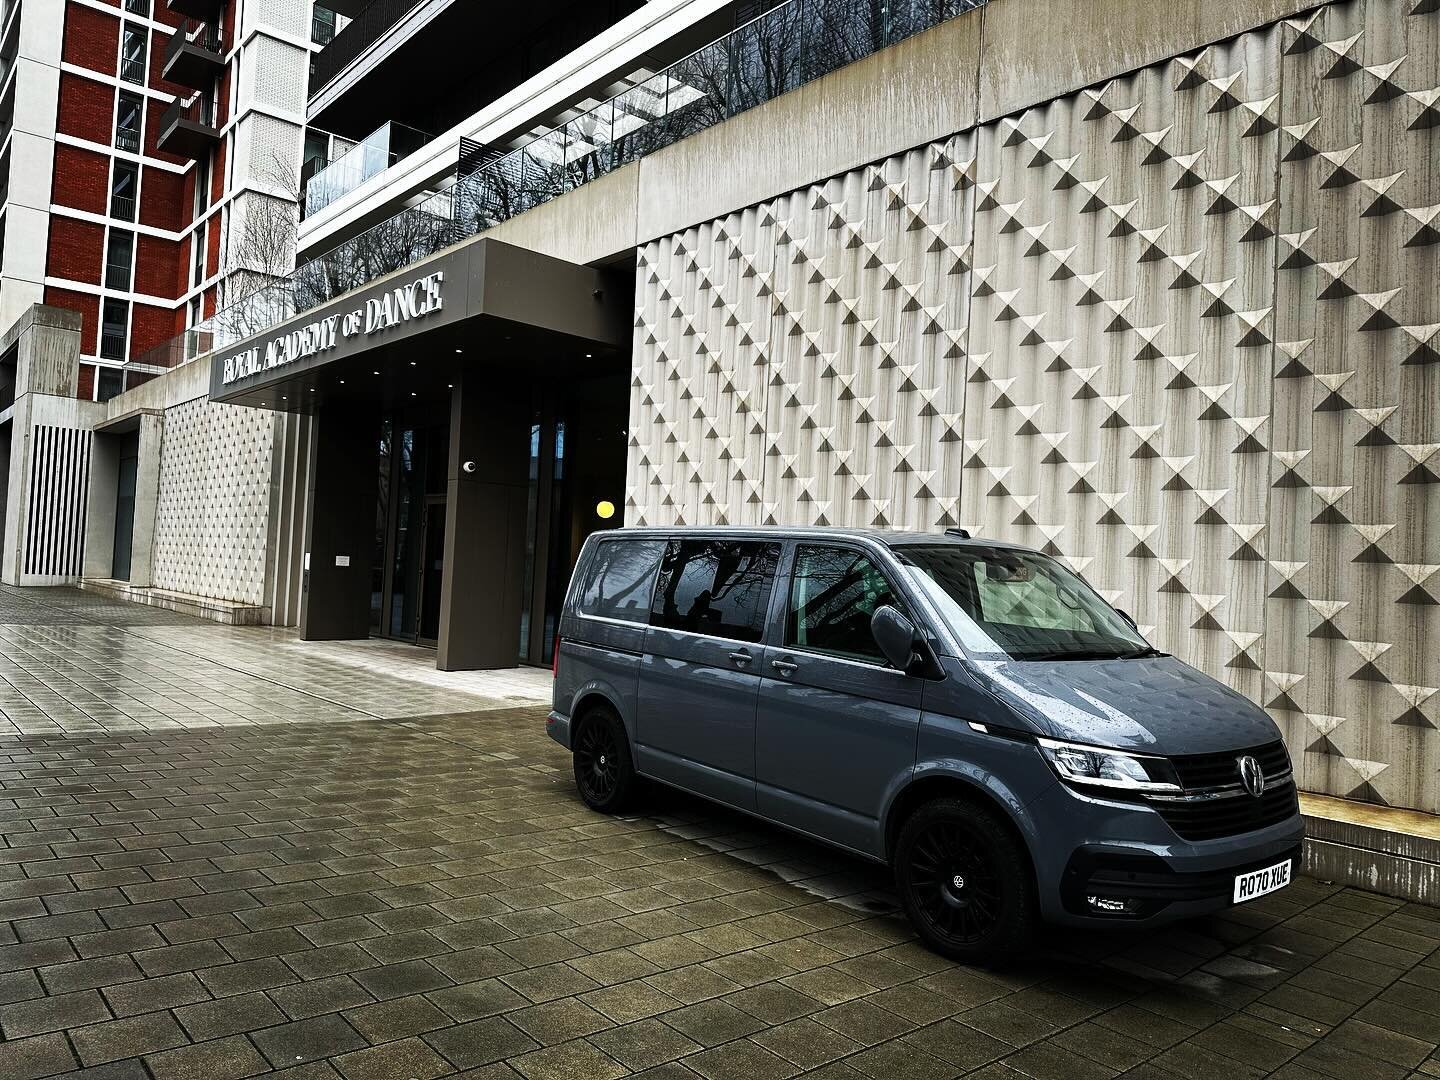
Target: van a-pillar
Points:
(485, 523)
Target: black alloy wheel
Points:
(965, 881)
(604, 773)
(955, 882)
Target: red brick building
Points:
(120, 198)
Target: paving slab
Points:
(227, 852)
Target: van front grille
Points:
(1205, 772)
(1210, 819)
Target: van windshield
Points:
(1019, 605)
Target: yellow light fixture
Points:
(604, 509)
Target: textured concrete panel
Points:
(212, 513)
(1178, 328)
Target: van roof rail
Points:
(963, 534)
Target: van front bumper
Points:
(1124, 851)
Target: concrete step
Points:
(228, 612)
(1380, 848)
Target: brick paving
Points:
(422, 896)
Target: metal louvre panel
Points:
(59, 476)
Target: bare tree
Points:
(261, 253)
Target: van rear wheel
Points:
(965, 881)
(604, 773)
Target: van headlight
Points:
(1095, 766)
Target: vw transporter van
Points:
(971, 713)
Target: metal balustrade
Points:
(792, 44)
(359, 34)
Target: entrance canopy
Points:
(407, 338)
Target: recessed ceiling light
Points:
(342, 382)
(412, 393)
(451, 385)
(589, 355)
(412, 363)
(459, 350)
(375, 373)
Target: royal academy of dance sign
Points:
(394, 307)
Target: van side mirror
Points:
(902, 644)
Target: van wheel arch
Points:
(948, 787)
(588, 703)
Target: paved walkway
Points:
(259, 860)
(73, 662)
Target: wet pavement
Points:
(229, 853)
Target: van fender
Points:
(1004, 797)
(599, 688)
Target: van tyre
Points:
(604, 771)
(965, 881)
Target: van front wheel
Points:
(604, 773)
(964, 879)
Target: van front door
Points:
(700, 673)
(836, 727)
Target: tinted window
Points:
(717, 587)
(621, 579)
(833, 593)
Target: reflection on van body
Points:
(969, 712)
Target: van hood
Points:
(1157, 704)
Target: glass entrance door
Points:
(408, 570)
(432, 569)
(577, 485)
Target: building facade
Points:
(150, 166)
(1152, 295)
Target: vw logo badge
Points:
(1251, 775)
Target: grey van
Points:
(971, 713)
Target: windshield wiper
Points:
(1093, 654)
(1070, 654)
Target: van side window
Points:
(622, 575)
(833, 593)
(717, 587)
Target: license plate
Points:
(1259, 882)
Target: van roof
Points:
(888, 537)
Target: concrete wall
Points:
(47, 462)
(1178, 327)
(975, 68)
(220, 503)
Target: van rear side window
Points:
(621, 580)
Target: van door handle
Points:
(742, 657)
(785, 667)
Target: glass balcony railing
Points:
(790, 45)
(369, 157)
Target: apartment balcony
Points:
(194, 57)
(187, 129)
(369, 157)
(451, 56)
(204, 10)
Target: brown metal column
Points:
(485, 524)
